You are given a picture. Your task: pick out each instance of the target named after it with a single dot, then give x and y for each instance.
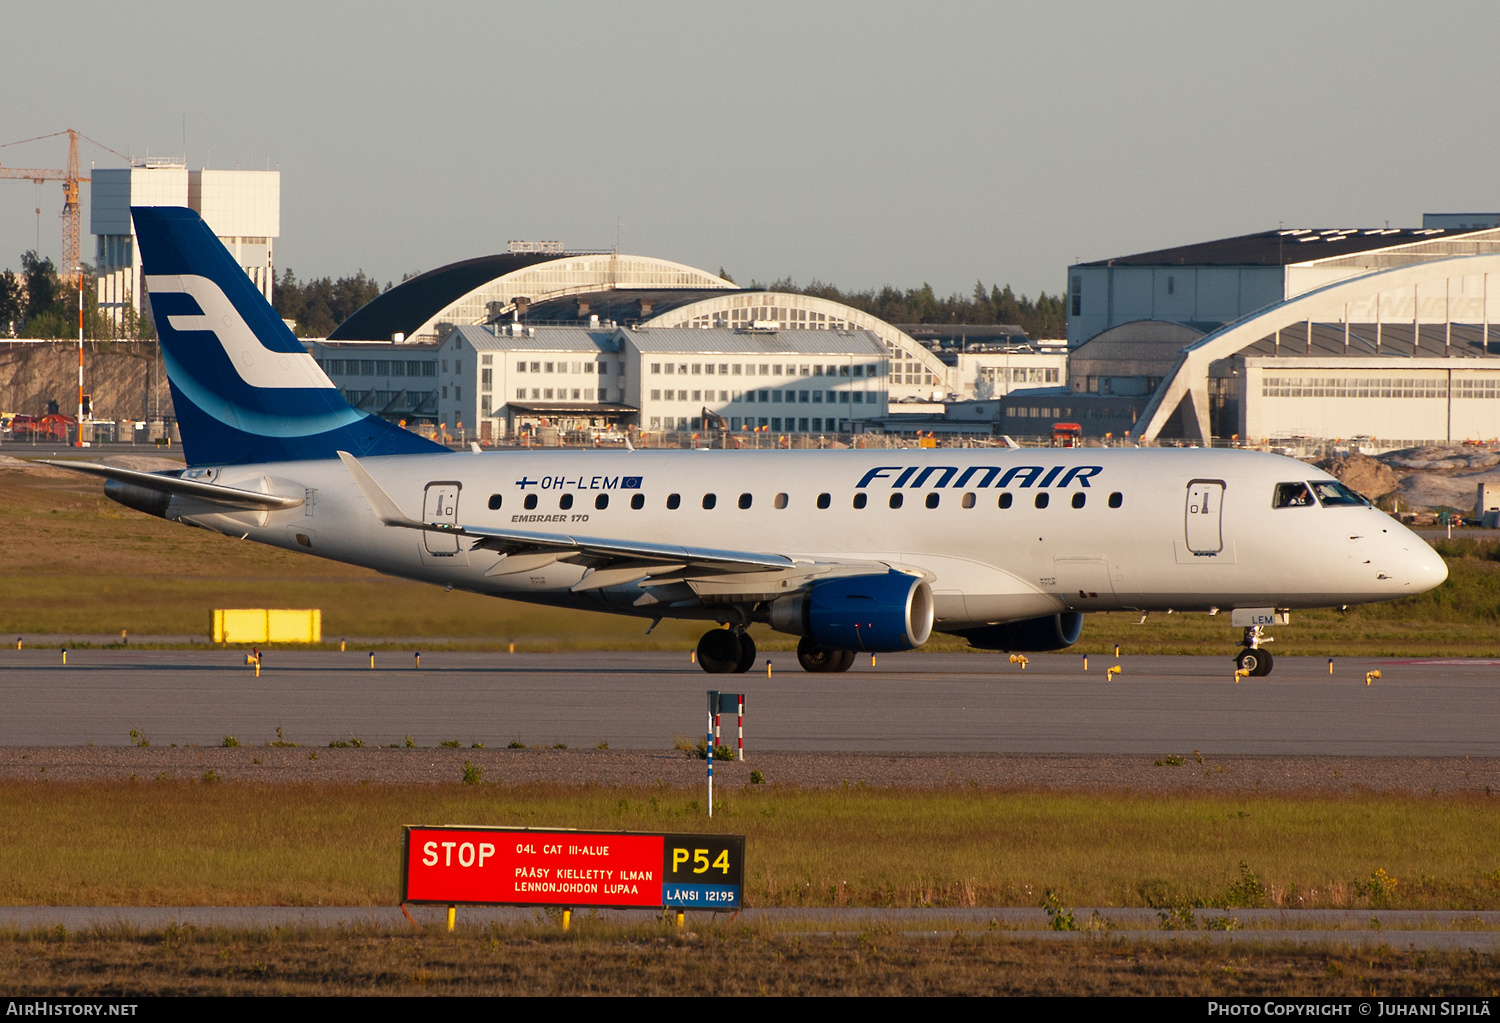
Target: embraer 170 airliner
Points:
(853, 551)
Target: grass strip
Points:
(230, 843)
(712, 960)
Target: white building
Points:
(243, 208)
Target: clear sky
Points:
(860, 143)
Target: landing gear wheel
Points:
(846, 661)
(718, 652)
(1256, 661)
(817, 658)
(747, 653)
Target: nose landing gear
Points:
(1252, 658)
(726, 651)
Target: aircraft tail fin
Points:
(244, 388)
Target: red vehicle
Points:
(1066, 435)
(22, 426)
(54, 426)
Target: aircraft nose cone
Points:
(1425, 568)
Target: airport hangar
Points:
(540, 337)
(1381, 334)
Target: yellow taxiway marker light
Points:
(341, 645)
(1330, 665)
(18, 642)
(872, 660)
(1019, 659)
(768, 667)
(372, 658)
(567, 919)
(512, 648)
(1085, 662)
(418, 656)
(1240, 673)
(452, 916)
(1117, 650)
(681, 916)
(1371, 675)
(65, 655)
(693, 657)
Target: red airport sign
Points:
(450, 866)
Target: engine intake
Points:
(864, 612)
(1050, 632)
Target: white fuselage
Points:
(1190, 529)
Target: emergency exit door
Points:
(1205, 517)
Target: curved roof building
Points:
(640, 290)
(483, 290)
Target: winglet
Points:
(386, 510)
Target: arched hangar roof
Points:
(481, 290)
(796, 312)
(1451, 290)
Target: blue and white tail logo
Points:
(244, 388)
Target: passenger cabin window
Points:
(601, 502)
(1079, 499)
(565, 502)
(1042, 499)
(824, 500)
(1005, 500)
(637, 501)
(932, 500)
(674, 501)
(745, 500)
(530, 502)
(1292, 495)
(709, 500)
(779, 502)
(494, 502)
(1116, 499)
(1331, 493)
(968, 500)
(896, 499)
(861, 499)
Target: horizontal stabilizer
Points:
(178, 486)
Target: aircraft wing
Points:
(615, 562)
(233, 496)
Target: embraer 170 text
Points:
(853, 550)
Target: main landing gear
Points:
(726, 651)
(731, 651)
(816, 658)
(1252, 658)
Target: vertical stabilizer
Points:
(244, 388)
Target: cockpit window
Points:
(1292, 495)
(1332, 493)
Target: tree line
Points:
(1046, 317)
(40, 303)
(319, 304)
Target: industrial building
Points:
(502, 382)
(543, 284)
(1376, 333)
(242, 207)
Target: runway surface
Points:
(915, 703)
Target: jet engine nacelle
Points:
(864, 612)
(1050, 632)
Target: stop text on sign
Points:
(539, 867)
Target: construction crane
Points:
(72, 212)
(72, 218)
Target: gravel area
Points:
(1133, 773)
